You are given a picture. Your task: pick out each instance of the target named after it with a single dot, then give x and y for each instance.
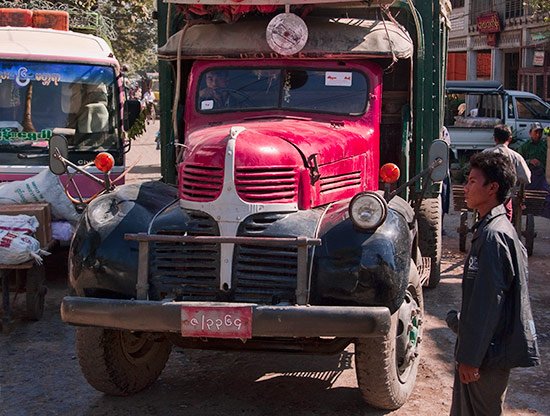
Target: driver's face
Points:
(216, 80)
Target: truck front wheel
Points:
(120, 363)
(386, 367)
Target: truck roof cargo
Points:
(356, 37)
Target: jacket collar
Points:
(482, 223)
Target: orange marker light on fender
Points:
(389, 173)
(104, 162)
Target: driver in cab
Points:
(215, 94)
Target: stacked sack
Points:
(17, 245)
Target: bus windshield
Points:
(40, 99)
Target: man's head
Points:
(536, 132)
(216, 79)
(491, 178)
(502, 133)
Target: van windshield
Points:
(39, 99)
(311, 90)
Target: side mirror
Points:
(58, 145)
(439, 155)
(132, 109)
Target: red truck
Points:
(272, 229)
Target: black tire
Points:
(463, 231)
(530, 234)
(386, 368)
(121, 363)
(35, 293)
(429, 236)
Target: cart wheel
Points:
(530, 234)
(463, 231)
(36, 293)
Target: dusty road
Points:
(39, 372)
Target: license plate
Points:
(216, 321)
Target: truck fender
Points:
(355, 267)
(101, 262)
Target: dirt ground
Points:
(40, 375)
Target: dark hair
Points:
(502, 133)
(496, 167)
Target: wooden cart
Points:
(18, 278)
(28, 277)
(526, 203)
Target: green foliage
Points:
(541, 7)
(136, 38)
(139, 127)
(128, 24)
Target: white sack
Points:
(22, 224)
(16, 248)
(43, 187)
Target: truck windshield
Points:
(39, 99)
(310, 90)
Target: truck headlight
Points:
(368, 210)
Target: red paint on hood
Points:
(280, 142)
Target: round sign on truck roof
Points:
(286, 34)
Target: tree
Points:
(136, 33)
(128, 25)
(541, 7)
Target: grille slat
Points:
(340, 182)
(267, 184)
(200, 183)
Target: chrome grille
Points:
(261, 274)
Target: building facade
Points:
(502, 41)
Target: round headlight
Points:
(368, 210)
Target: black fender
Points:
(101, 262)
(356, 267)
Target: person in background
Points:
(148, 102)
(502, 134)
(535, 153)
(495, 326)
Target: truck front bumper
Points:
(267, 321)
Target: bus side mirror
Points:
(132, 109)
(439, 158)
(58, 147)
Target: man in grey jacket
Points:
(495, 326)
(503, 137)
